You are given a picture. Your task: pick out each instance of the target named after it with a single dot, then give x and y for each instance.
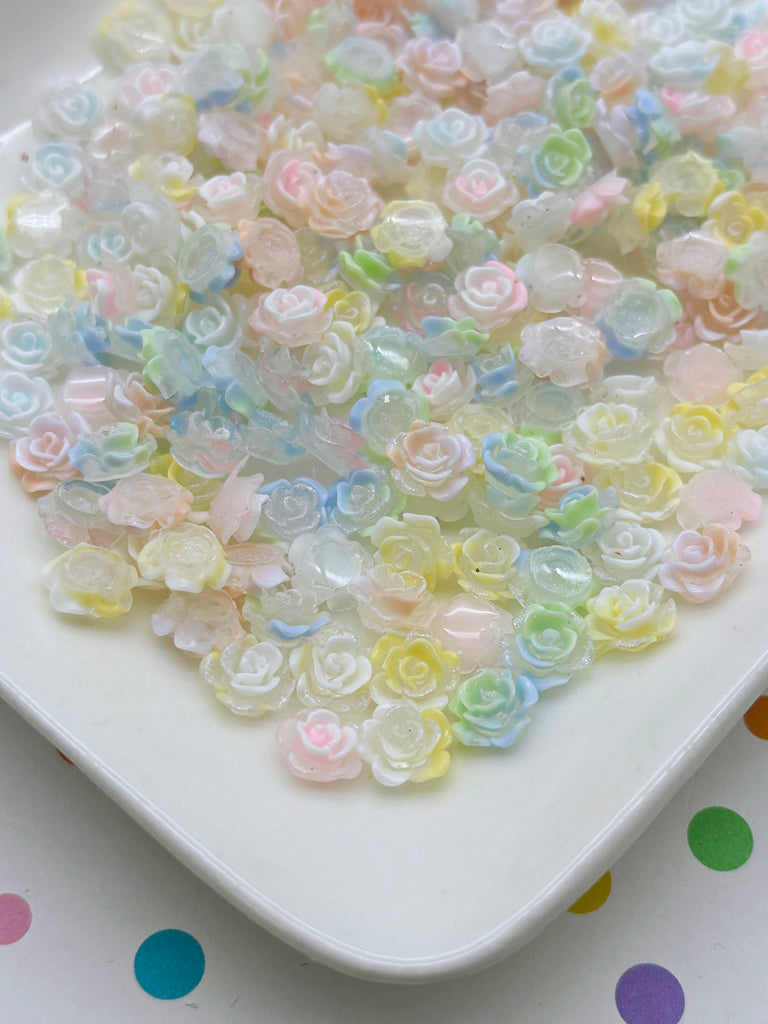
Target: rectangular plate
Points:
(407, 885)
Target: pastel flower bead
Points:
(413, 545)
(198, 623)
(325, 561)
(694, 262)
(115, 451)
(357, 503)
(597, 201)
(293, 316)
(270, 252)
(392, 602)
(293, 507)
(630, 617)
(92, 581)
(450, 138)
(186, 557)
(552, 574)
(638, 319)
(582, 515)
(606, 434)
(206, 261)
(144, 502)
(650, 490)
(318, 747)
(334, 364)
(403, 743)
(692, 438)
(342, 205)
(71, 515)
(41, 457)
(700, 565)
(554, 43)
(68, 110)
(748, 456)
(256, 567)
(22, 400)
(343, 112)
(485, 563)
(496, 375)
(560, 161)
(173, 365)
(746, 267)
(479, 189)
(289, 615)
(491, 294)
(411, 233)
(517, 466)
(627, 551)
(571, 472)
(431, 462)
(331, 672)
(555, 278)
(491, 708)
(701, 375)
(230, 197)
(550, 644)
(236, 510)
(747, 405)
(568, 350)
(445, 390)
(387, 411)
(717, 496)
(249, 676)
(432, 67)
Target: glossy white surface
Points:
(413, 885)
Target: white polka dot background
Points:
(98, 923)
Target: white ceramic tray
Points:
(406, 886)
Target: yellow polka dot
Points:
(594, 897)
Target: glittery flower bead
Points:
(341, 205)
(208, 446)
(115, 451)
(92, 581)
(431, 462)
(387, 410)
(552, 574)
(413, 545)
(411, 233)
(485, 563)
(700, 565)
(357, 503)
(568, 350)
(550, 644)
(145, 501)
(292, 316)
(582, 515)
(630, 617)
(491, 294)
(318, 747)
(186, 557)
(294, 507)
(392, 602)
(491, 708)
(638, 319)
(331, 672)
(403, 743)
(249, 675)
(270, 252)
(555, 277)
(694, 262)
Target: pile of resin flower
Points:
(415, 356)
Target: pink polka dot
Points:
(15, 918)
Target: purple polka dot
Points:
(649, 994)
(15, 918)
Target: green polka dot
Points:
(720, 838)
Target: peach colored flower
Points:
(145, 500)
(571, 472)
(701, 565)
(271, 252)
(430, 462)
(598, 200)
(342, 205)
(433, 67)
(722, 317)
(131, 402)
(41, 458)
(292, 316)
(236, 509)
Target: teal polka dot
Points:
(169, 964)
